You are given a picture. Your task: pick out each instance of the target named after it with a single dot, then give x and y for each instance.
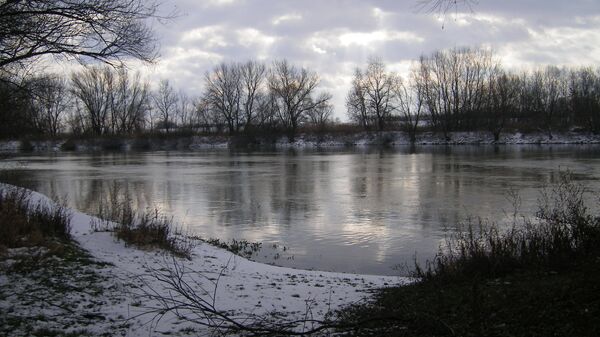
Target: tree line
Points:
(465, 89)
(459, 89)
(105, 100)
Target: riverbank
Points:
(303, 140)
(539, 278)
(108, 289)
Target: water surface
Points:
(363, 211)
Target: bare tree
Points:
(356, 101)
(185, 110)
(585, 97)
(321, 114)
(223, 92)
(104, 30)
(410, 103)
(268, 112)
(378, 86)
(94, 87)
(252, 76)
(292, 89)
(554, 90)
(454, 83)
(75, 119)
(50, 101)
(109, 101)
(501, 102)
(130, 103)
(202, 118)
(165, 101)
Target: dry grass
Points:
(25, 224)
(150, 229)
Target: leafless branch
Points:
(192, 297)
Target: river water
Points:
(353, 210)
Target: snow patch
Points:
(243, 286)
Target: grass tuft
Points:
(25, 224)
(242, 248)
(150, 229)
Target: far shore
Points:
(302, 141)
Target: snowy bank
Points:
(238, 286)
(302, 141)
(396, 138)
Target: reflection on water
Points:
(352, 210)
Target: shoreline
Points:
(303, 141)
(242, 287)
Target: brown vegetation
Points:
(26, 224)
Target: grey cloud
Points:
(311, 35)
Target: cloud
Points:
(334, 37)
(378, 36)
(209, 37)
(286, 18)
(218, 3)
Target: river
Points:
(352, 210)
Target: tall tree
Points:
(130, 103)
(252, 76)
(94, 87)
(50, 101)
(185, 110)
(454, 83)
(410, 103)
(293, 89)
(501, 102)
(356, 101)
(379, 86)
(224, 93)
(165, 101)
(371, 98)
(585, 97)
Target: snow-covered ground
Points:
(391, 138)
(303, 141)
(238, 286)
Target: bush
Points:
(111, 143)
(141, 144)
(26, 146)
(563, 231)
(69, 145)
(25, 224)
(538, 278)
(148, 230)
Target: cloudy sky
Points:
(332, 37)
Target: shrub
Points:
(537, 278)
(23, 223)
(562, 231)
(26, 145)
(112, 143)
(146, 230)
(69, 145)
